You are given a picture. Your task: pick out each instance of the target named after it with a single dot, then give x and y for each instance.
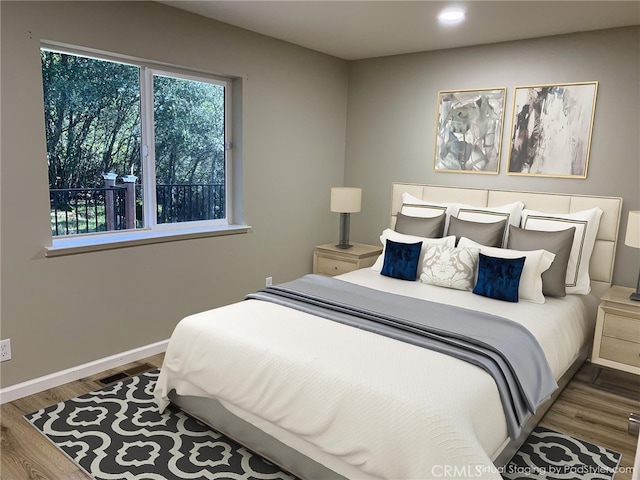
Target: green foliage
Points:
(189, 131)
(92, 121)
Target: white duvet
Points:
(362, 404)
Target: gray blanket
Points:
(505, 349)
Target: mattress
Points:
(355, 401)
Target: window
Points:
(133, 146)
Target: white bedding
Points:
(362, 404)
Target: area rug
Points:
(549, 455)
(117, 433)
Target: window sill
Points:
(93, 243)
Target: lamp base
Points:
(636, 295)
(344, 231)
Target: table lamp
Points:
(345, 200)
(632, 239)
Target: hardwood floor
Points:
(598, 416)
(581, 410)
(24, 453)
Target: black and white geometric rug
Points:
(549, 455)
(116, 433)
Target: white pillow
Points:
(416, 207)
(402, 238)
(586, 223)
(450, 267)
(511, 211)
(536, 262)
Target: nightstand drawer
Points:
(620, 351)
(330, 260)
(616, 340)
(332, 266)
(623, 328)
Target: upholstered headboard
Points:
(602, 260)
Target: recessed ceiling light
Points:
(451, 15)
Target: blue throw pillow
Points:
(499, 278)
(401, 260)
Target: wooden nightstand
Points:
(617, 338)
(331, 260)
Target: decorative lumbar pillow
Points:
(490, 234)
(389, 234)
(450, 267)
(586, 223)
(401, 260)
(499, 278)
(560, 242)
(428, 227)
(537, 261)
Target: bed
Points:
(325, 400)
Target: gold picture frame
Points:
(469, 130)
(551, 129)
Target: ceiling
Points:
(363, 29)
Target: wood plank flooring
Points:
(24, 453)
(598, 416)
(581, 410)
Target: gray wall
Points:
(66, 311)
(392, 119)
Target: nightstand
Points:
(331, 260)
(617, 337)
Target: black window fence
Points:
(85, 210)
(190, 202)
(89, 210)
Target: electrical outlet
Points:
(268, 281)
(5, 350)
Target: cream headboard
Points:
(601, 266)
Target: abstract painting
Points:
(551, 130)
(469, 130)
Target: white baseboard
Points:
(24, 389)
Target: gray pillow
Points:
(488, 234)
(432, 227)
(559, 242)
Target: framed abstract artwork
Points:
(551, 130)
(469, 130)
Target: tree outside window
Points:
(165, 131)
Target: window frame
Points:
(152, 231)
(147, 139)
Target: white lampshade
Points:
(345, 199)
(632, 237)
